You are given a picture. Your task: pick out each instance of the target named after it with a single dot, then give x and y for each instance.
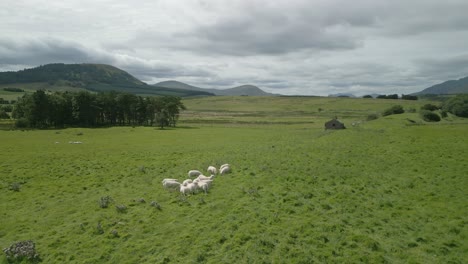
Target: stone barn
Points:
(334, 124)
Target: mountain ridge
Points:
(447, 87)
(92, 77)
(246, 89)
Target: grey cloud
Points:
(268, 28)
(444, 68)
(36, 52)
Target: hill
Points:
(93, 77)
(239, 90)
(449, 87)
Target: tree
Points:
(4, 115)
(166, 110)
(85, 109)
(34, 108)
(409, 97)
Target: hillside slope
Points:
(93, 77)
(448, 87)
(239, 90)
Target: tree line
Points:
(43, 109)
(393, 96)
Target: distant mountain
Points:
(239, 90)
(448, 87)
(93, 77)
(342, 95)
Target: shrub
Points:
(429, 116)
(367, 96)
(372, 117)
(15, 186)
(22, 123)
(7, 108)
(114, 233)
(4, 115)
(430, 107)
(105, 201)
(121, 208)
(396, 109)
(21, 251)
(99, 229)
(155, 205)
(457, 105)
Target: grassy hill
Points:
(387, 190)
(93, 77)
(459, 86)
(250, 90)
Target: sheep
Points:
(202, 177)
(225, 169)
(224, 165)
(168, 179)
(186, 182)
(189, 188)
(204, 185)
(212, 170)
(194, 173)
(171, 184)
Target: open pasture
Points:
(312, 111)
(384, 191)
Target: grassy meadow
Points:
(391, 190)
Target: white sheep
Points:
(190, 188)
(204, 185)
(212, 170)
(202, 177)
(225, 169)
(224, 165)
(171, 184)
(168, 179)
(194, 173)
(187, 182)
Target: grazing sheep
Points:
(204, 178)
(205, 185)
(224, 165)
(184, 183)
(189, 188)
(212, 170)
(168, 179)
(193, 173)
(225, 169)
(171, 184)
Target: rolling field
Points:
(384, 191)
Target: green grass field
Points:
(385, 191)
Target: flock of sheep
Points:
(201, 182)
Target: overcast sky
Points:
(308, 47)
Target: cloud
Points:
(274, 28)
(35, 52)
(39, 51)
(443, 68)
(286, 46)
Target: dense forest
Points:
(84, 109)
